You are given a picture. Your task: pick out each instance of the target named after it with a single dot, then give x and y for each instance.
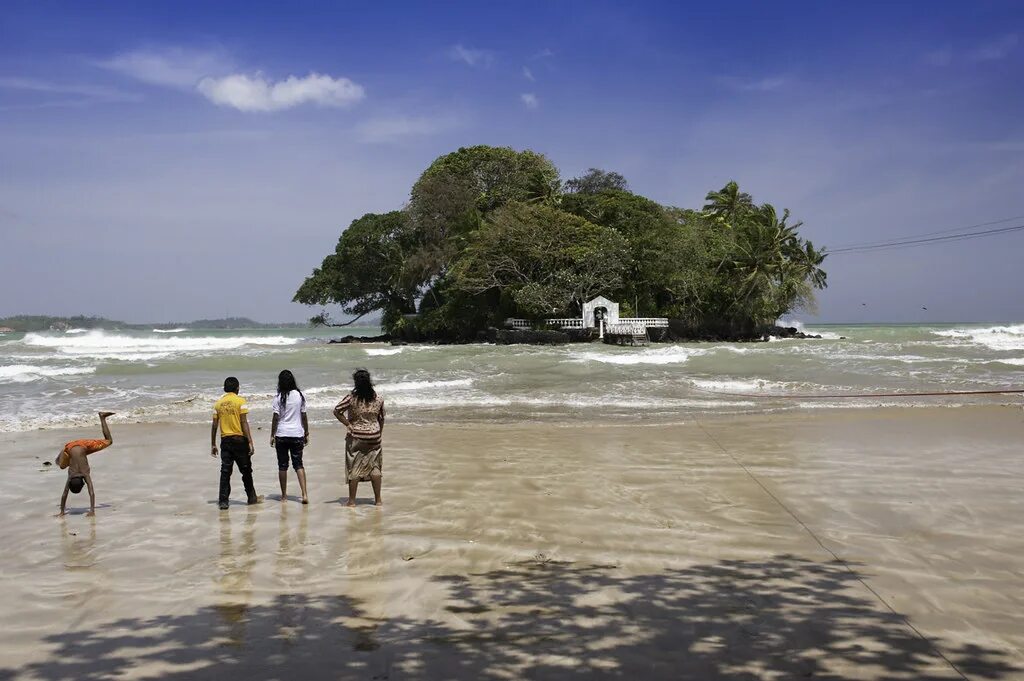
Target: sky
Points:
(167, 161)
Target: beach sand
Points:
(696, 551)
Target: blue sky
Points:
(168, 161)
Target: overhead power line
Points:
(844, 247)
(910, 243)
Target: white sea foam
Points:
(799, 326)
(169, 330)
(741, 386)
(101, 345)
(993, 337)
(382, 352)
(425, 385)
(25, 373)
(669, 355)
(1015, 361)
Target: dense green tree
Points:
(453, 194)
(368, 270)
(595, 181)
(489, 234)
(663, 255)
(546, 261)
(493, 175)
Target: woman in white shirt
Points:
(289, 433)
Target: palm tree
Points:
(774, 269)
(808, 261)
(728, 203)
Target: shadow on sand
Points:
(784, 618)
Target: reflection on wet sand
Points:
(79, 544)
(234, 575)
(546, 552)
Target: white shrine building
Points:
(601, 314)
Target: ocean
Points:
(57, 379)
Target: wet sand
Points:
(696, 551)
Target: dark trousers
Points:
(234, 449)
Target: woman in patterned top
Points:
(362, 414)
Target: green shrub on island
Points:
(491, 233)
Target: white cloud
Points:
(394, 128)
(82, 93)
(169, 67)
(256, 93)
(528, 74)
(543, 54)
(766, 84)
(530, 100)
(471, 56)
(997, 49)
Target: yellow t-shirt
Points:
(229, 410)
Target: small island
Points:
(492, 234)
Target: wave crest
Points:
(101, 345)
(1009, 337)
(26, 373)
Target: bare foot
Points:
(105, 414)
(305, 500)
(351, 503)
(257, 500)
(59, 515)
(378, 503)
(90, 514)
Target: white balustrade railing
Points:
(574, 323)
(627, 325)
(637, 325)
(646, 321)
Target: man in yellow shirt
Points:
(230, 414)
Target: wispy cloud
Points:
(543, 54)
(84, 92)
(765, 84)
(396, 128)
(528, 74)
(174, 67)
(994, 50)
(940, 57)
(256, 93)
(471, 56)
(529, 100)
(214, 75)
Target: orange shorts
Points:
(90, 447)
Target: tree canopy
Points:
(596, 180)
(545, 260)
(489, 233)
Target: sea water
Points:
(57, 379)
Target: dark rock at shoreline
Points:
(384, 338)
(789, 332)
(582, 335)
(678, 330)
(527, 337)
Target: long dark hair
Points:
(285, 384)
(363, 390)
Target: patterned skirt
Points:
(361, 459)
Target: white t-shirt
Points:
(289, 419)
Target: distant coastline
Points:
(27, 323)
